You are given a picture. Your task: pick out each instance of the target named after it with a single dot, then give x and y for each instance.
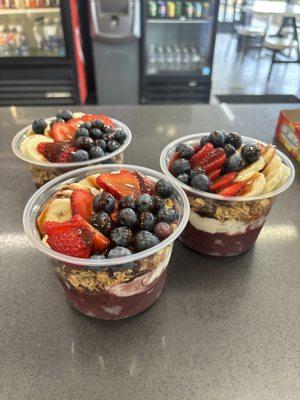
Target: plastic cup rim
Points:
(213, 196)
(67, 178)
(18, 138)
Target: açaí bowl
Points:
(124, 299)
(43, 172)
(241, 218)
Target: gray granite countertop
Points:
(222, 329)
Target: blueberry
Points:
(195, 171)
(108, 137)
(146, 221)
(235, 139)
(117, 252)
(127, 202)
(97, 256)
(157, 202)
(86, 125)
(144, 202)
(82, 132)
(180, 166)
(39, 125)
(250, 152)
(96, 152)
(64, 114)
(122, 236)
(80, 155)
(127, 217)
(97, 124)
(184, 178)
(120, 135)
(96, 133)
(217, 138)
(108, 129)
(163, 188)
(204, 140)
(144, 240)
(185, 150)
(104, 201)
(163, 230)
(102, 222)
(166, 215)
(235, 163)
(84, 142)
(112, 145)
(56, 121)
(101, 143)
(200, 182)
(229, 149)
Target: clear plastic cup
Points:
(81, 278)
(43, 172)
(218, 225)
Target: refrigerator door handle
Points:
(134, 19)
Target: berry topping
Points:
(200, 182)
(122, 236)
(195, 171)
(120, 135)
(223, 181)
(184, 178)
(144, 240)
(127, 217)
(215, 160)
(185, 150)
(146, 184)
(80, 155)
(204, 140)
(233, 189)
(96, 152)
(145, 202)
(175, 156)
(214, 174)
(251, 153)
(127, 202)
(104, 202)
(102, 222)
(101, 143)
(56, 121)
(146, 221)
(81, 203)
(82, 132)
(157, 202)
(180, 166)
(229, 149)
(217, 138)
(117, 252)
(163, 230)
(39, 125)
(97, 124)
(235, 163)
(202, 154)
(56, 152)
(62, 132)
(96, 133)
(64, 114)
(163, 188)
(234, 139)
(112, 145)
(166, 215)
(85, 143)
(123, 183)
(86, 125)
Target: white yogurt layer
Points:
(230, 227)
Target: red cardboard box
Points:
(288, 131)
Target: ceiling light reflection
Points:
(287, 232)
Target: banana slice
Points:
(92, 179)
(78, 114)
(255, 186)
(29, 147)
(273, 179)
(249, 171)
(57, 210)
(268, 154)
(44, 241)
(86, 183)
(285, 174)
(273, 164)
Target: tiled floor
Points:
(231, 76)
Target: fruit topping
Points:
(185, 150)
(146, 221)
(120, 135)
(112, 145)
(214, 174)
(82, 132)
(85, 143)
(127, 217)
(79, 155)
(127, 202)
(145, 203)
(214, 160)
(64, 114)
(56, 152)
(144, 240)
(163, 188)
(250, 152)
(166, 215)
(122, 236)
(96, 152)
(247, 172)
(204, 140)
(217, 138)
(180, 166)
(197, 159)
(123, 183)
(62, 132)
(104, 202)
(146, 184)
(235, 163)
(232, 189)
(184, 178)
(81, 203)
(96, 133)
(200, 182)
(56, 121)
(102, 222)
(39, 125)
(163, 230)
(223, 181)
(229, 149)
(234, 139)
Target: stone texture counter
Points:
(222, 329)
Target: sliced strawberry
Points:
(233, 189)
(101, 242)
(81, 203)
(223, 181)
(114, 216)
(63, 132)
(174, 157)
(56, 151)
(92, 117)
(146, 184)
(215, 160)
(214, 174)
(120, 184)
(197, 159)
(52, 227)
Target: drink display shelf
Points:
(14, 11)
(178, 21)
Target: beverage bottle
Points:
(188, 9)
(197, 10)
(205, 9)
(38, 33)
(152, 9)
(171, 9)
(58, 38)
(161, 9)
(178, 9)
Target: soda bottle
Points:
(152, 9)
(188, 9)
(171, 9)
(161, 9)
(205, 9)
(178, 9)
(197, 9)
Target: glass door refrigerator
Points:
(177, 50)
(41, 59)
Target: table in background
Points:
(222, 328)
